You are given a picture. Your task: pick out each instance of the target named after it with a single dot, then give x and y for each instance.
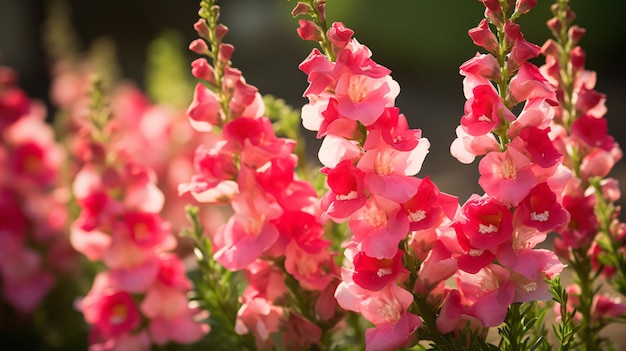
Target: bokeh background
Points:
(423, 42)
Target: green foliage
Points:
(99, 114)
(286, 121)
(565, 331)
(468, 339)
(516, 334)
(608, 238)
(216, 291)
(168, 79)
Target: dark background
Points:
(423, 42)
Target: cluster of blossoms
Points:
(581, 134)
(521, 173)
(399, 221)
(417, 267)
(141, 297)
(370, 157)
(594, 237)
(34, 246)
(273, 233)
(139, 125)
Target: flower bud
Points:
(522, 51)
(220, 31)
(485, 65)
(309, 30)
(320, 8)
(493, 11)
(575, 33)
(577, 57)
(326, 305)
(202, 28)
(484, 37)
(569, 16)
(550, 48)
(301, 9)
(199, 46)
(610, 189)
(201, 69)
(511, 33)
(226, 51)
(523, 6)
(492, 5)
(555, 26)
(339, 36)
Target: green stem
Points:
(217, 290)
(210, 11)
(565, 331)
(503, 85)
(567, 74)
(319, 18)
(585, 279)
(608, 242)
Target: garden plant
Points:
(177, 219)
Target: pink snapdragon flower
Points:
(112, 312)
(371, 156)
(429, 206)
(391, 336)
(482, 300)
(374, 274)
(393, 129)
(541, 210)
(483, 36)
(506, 176)
(385, 308)
(521, 174)
(483, 111)
(454, 316)
(258, 316)
(171, 318)
(274, 233)
(486, 223)
(608, 307)
(387, 170)
(363, 98)
(138, 300)
(466, 147)
(379, 227)
(307, 255)
(346, 193)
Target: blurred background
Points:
(423, 42)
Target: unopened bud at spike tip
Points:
(301, 9)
